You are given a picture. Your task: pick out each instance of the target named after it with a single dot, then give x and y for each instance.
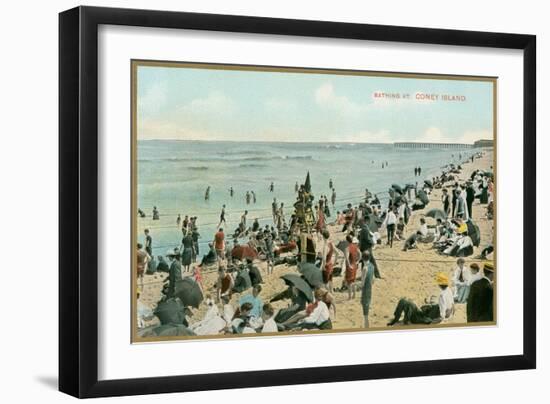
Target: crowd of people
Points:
(235, 304)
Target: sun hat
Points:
(442, 279)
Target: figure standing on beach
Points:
(446, 202)
(320, 225)
(187, 251)
(366, 243)
(222, 217)
(178, 220)
(142, 261)
(454, 199)
(219, 244)
(480, 299)
(243, 221)
(280, 216)
(470, 197)
(352, 256)
(253, 196)
(333, 197)
(296, 187)
(460, 209)
(390, 223)
(148, 243)
(174, 273)
(271, 187)
(207, 193)
(327, 264)
(156, 215)
(330, 183)
(269, 253)
(247, 197)
(231, 192)
(274, 209)
(367, 279)
(195, 236)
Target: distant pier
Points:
(421, 145)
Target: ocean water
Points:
(173, 176)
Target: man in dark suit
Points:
(470, 196)
(174, 273)
(480, 299)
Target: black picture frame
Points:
(78, 194)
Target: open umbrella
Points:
(423, 196)
(243, 251)
(311, 274)
(436, 214)
(189, 292)
(397, 188)
(299, 283)
(473, 232)
(170, 311)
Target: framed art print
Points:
(319, 201)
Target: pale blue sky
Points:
(209, 104)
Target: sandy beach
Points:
(408, 274)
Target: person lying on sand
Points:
(429, 313)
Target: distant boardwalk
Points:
(419, 145)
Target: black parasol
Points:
(436, 214)
(311, 274)
(189, 292)
(299, 283)
(473, 232)
(170, 311)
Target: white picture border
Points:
(119, 359)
